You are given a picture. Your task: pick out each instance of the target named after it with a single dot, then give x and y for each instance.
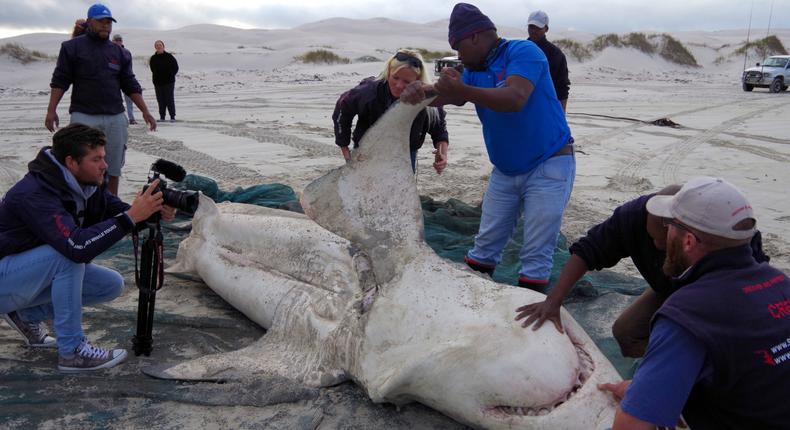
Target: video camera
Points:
(150, 277)
(186, 201)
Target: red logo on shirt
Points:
(780, 309)
(767, 358)
(64, 230)
(761, 286)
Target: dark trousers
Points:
(166, 99)
(632, 328)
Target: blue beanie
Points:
(465, 21)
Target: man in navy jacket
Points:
(719, 350)
(630, 232)
(99, 70)
(53, 222)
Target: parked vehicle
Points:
(773, 74)
(453, 62)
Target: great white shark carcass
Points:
(351, 291)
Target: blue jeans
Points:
(541, 195)
(42, 284)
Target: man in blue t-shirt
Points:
(526, 135)
(719, 349)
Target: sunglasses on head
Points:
(408, 58)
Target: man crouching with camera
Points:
(53, 222)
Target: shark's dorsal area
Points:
(372, 200)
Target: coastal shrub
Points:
(663, 44)
(574, 49)
(639, 41)
(22, 54)
(322, 56)
(429, 55)
(674, 51)
(762, 48)
(605, 41)
(366, 59)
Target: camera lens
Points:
(186, 201)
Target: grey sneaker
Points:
(88, 357)
(34, 334)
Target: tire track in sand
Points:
(629, 177)
(224, 172)
(670, 165)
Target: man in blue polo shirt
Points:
(99, 70)
(719, 349)
(526, 135)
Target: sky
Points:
(595, 16)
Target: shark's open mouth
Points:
(586, 367)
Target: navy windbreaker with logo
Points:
(740, 310)
(40, 209)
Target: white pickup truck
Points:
(773, 74)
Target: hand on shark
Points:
(539, 313)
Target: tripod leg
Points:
(143, 340)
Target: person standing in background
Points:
(118, 40)
(99, 70)
(79, 27)
(537, 27)
(164, 68)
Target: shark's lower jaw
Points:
(586, 368)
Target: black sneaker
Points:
(88, 358)
(33, 333)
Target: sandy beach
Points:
(249, 113)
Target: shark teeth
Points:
(586, 368)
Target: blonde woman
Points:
(373, 96)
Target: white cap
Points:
(538, 19)
(711, 205)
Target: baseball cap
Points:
(100, 11)
(117, 36)
(538, 19)
(710, 205)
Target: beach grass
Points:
(22, 54)
(322, 56)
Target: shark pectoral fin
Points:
(263, 357)
(222, 367)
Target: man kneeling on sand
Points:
(53, 222)
(718, 350)
(631, 231)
